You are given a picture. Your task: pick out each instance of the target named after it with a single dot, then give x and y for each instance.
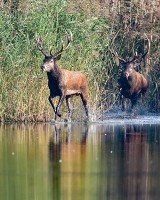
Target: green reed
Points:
(24, 91)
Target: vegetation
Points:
(24, 91)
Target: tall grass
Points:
(24, 91)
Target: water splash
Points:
(114, 115)
(138, 115)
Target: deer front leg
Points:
(50, 101)
(59, 105)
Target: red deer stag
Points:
(62, 82)
(132, 83)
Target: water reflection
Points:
(79, 162)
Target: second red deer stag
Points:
(62, 82)
(131, 82)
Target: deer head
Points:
(129, 66)
(50, 60)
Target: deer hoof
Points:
(53, 121)
(69, 120)
(58, 114)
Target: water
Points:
(112, 161)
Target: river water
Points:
(109, 160)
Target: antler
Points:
(138, 57)
(148, 46)
(116, 55)
(115, 52)
(69, 39)
(40, 46)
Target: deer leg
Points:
(123, 103)
(84, 101)
(120, 100)
(51, 102)
(59, 105)
(68, 102)
(133, 102)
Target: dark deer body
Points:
(63, 83)
(132, 84)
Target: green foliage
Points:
(24, 89)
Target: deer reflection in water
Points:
(136, 162)
(67, 145)
(112, 161)
(63, 137)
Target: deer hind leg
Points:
(123, 103)
(84, 101)
(68, 102)
(133, 102)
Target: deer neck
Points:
(55, 74)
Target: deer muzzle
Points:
(126, 75)
(43, 68)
